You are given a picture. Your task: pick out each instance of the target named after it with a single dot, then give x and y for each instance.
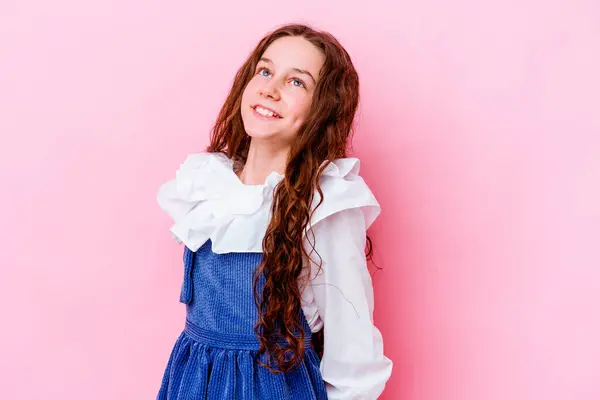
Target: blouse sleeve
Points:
(353, 364)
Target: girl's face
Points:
(276, 101)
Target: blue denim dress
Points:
(215, 356)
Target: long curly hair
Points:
(323, 137)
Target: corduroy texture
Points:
(215, 355)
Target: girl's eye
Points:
(300, 83)
(295, 81)
(260, 71)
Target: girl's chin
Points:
(260, 130)
(271, 136)
(262, 134)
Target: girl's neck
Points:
(262, 160)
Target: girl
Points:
(273, 216)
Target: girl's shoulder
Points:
(206, 200)
(343, 188)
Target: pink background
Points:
(479, 133)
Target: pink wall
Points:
(479, 133)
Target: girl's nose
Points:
(269, 89)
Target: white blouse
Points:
(207, 200)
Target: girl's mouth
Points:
(264, 113)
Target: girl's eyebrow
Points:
(300, 71)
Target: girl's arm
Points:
(353, 364)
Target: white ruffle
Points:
(207, 200)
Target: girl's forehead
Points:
(294, 52)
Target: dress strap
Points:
(187, 288)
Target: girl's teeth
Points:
(264, 112)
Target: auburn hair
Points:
(323, 137)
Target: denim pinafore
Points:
(215, 356)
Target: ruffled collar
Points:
(207, 200)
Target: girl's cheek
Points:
(299, 105)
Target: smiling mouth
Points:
(266, 113)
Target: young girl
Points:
(273, 217)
